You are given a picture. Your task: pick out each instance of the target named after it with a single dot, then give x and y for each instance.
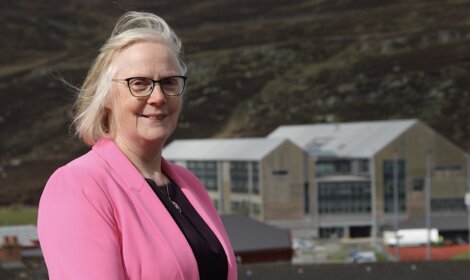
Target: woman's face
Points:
(143, 120)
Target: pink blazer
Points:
(99, 219)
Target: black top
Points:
(209, 253)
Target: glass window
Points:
(363, 166)
(256, 208)
(448, 167)
(235, 206)
(448, 204)
(241, 207)
(389, 167)
(418, 185)
(331, 232)
(330, 167)
(344, 197)
(239, 176)
(206, 171)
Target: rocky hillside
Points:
(253, 65)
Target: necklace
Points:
(168, 195)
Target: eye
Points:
(140, 84)
(170, 82)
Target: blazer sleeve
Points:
(77, 231)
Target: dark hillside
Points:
(253, 65)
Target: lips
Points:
(154, 116)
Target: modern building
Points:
(261, 178)
(377, 175)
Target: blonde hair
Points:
(90, 114)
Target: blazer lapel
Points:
(162, 222)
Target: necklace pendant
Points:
(176, 206)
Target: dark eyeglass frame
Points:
(128, 82)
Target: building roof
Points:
(355, 139)
(253, 149)
(26, 234)
(250, 235)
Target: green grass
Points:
(381, 257)
(18, 215)
(462, 256)
(338, 256)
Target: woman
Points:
(121, 211)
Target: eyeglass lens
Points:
(145, 86)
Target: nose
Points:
(157, 97)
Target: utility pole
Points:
(373, 205)
(250, 188)
(428, 203)
(396, 205)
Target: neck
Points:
(146, 157)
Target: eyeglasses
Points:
(143, 87)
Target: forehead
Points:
(147, 58)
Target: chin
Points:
(157, 137)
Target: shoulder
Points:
(74, 193)
(84, 169)
(78, 180)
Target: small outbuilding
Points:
(255, 241)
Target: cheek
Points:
(123, 116)
(173, 108)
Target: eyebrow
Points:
(150, 76)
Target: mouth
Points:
(154, 116)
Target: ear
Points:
(106, 119)
(108, 106)
(110, 101)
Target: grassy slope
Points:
(18, 215)
(254, 65)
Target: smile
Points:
(154, 116)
